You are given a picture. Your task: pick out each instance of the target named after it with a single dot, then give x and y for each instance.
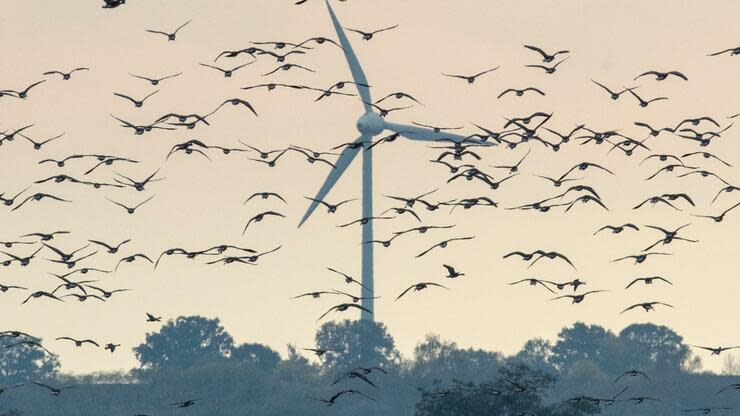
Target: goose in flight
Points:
(354, 375)
(648, 280)
(546, 57)
(443, 244)
(640, 258)
(40, 294)
(533, 282)
(720, 217)
(314, 295)
(548, 69)
(732, 51)
(521, 92)
(132, 258)
(259, 217)
(618, 228)
(420, 286)
(354, 298)
(55, 391)
(38, 197)
(631, 373)
(111, 347)
(227, 72)
(716, 350)
(331, 208)
(156, 81)
(369, 35)
(319, 352)
(644, 103)
(79, 342)
(613, 94)
(170, 36)
(552, 255)
(111, 248)
(660, 76)
(733, 386)
(647, 306)
(5, 288)
(347, 278)
(451, 272)
(705, 410)
(471, 78)
(137, 103)
(186, 403)
(30, 344)
(333, 399)
(579, 297)
(343, 307)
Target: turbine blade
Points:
(425, 134)
(358, 75)
(342, 163)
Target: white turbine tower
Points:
(370, 124)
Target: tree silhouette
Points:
(255, 354)
(21, 364)
(580, 342)
(436, 359)
(499, 396)
(183, 343)
(536, 354)
(356, 343)
(648, 345)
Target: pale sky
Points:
(199, 203)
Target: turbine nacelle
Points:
(371, 124)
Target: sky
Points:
(199, 203)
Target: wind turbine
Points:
(370, 124)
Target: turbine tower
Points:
(370, 124)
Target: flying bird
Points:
(548, 69)
(259, 217)
(369, 35)
(613, 94)
(647, 306)
(471, 78)
(343, 307)
(546, 57)
(137, 103)
(442, 244)
(660, 76)
(521, 92)
(156, 81)
(170, 36)
(66, 75)
(631, 373)
(227, 72)
(420, 286)
(648, 280)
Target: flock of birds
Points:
(458, 157)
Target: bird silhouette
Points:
(471, 78)
(171, 36)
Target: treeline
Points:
(194, 358)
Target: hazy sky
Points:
(199, 203)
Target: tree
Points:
(255, 354)
(21, 363)
(436, 359)
(730, 366)
(536, 353)
(356, 343)
(183, 343)
(648, 345)
(580, 342)
(516, 390)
